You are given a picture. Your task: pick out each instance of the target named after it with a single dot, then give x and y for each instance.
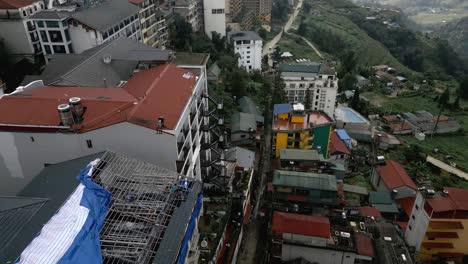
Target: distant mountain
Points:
(456, 32)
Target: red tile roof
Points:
(457, 199)
(337, 145)
(407, 204)
(15, 4)
(160, 91)
(394, 175)
(364, 245)
(370, 211)
(306, 225)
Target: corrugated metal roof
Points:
(281, 109)
(311, 67)
(380, 198)
(243, 122)
(306, 180)
(307, 225)
(394, 175)
(364, 244)
(342, 134)
(106, 14)
(355, 189)
(386, 208)
(300, 154)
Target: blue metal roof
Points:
(282, 109)
(342, 134)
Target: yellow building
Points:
(437, 224)
(294, 128)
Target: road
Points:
(310, 44)
(447, 167)
(269, 46)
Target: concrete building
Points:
(191, 11)
(39, 223)
(153, 23)
(262, 9)
(297, 129)
(65, 28)
(18, 30)
(214, 17)
(315, 77)
(248, 45)
(139, 117)
(437, 224)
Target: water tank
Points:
(66, 116)
(76, 107)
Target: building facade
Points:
(165, 128)
(153, 23)
(248, 45)
(321, 83)
(436, 226)
(18, 31)
(214, 17)
(262, 9)
(191, 11)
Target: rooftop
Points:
(141, 101)
(394, 175)
(364, 244)
(306, 225)
(349, 115)
(49, 14)
(337, 145)
(456, 199)
(243, 122)
(311, 119)
(311, 67)
(106, 14)
(196, 59)
(369, 211)
(243, 35)
(305, 180)
(383, 202)
(15, 4)
(281, 109)
(247, 105)
(89, 69)
(300, 154)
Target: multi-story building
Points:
(248, 45)
(191, 11)
(262, 9)
(139, 117)
(437, 224)
(321, 82)
(297, 129)
(66, 29)
(18, 30)
(153, 23)
(214, 17)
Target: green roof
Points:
(312, 67)
(386, 208)
(243, 122)
(305, 180)
(380, 198)
(300, 154)
(54, 184)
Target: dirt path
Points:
(310, 45)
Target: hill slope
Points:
(456, 33)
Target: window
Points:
(52, 24)
(417, 207)
(248, 52)
(32, 139)
(414, 218)
(67, 35)
(44, 36)
(217, 11)
(248, 61)
(59, 49)
(55, 36)
(250, 67)
(89, 143)
(47, 49)
(40, 23)
(35, 8)
(410, 228)
(24, 13)
(70, 49)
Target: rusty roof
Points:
(15, 4)
(457, 199)
(394, 175)
(337, 145)
(306, 225)
(160, 91)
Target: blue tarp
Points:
(342, 134)
(86, 247)
(190, 229)
(281, 109)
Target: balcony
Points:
(31, 27)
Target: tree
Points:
(278, 94)
(463, 89)
(302, 29)
(280, 10)
(262, 33)
(277, 54)
(307, 7)
(348, 82)
(356, 101)
(265, 62)
(181, 33)
(348, 64)
(444, 98)
(307, 102)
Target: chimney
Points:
(76, 108)
(393, 194)
(66, 116)
(161, 122)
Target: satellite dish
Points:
(107, 58)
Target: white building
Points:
(248, 45)
(18, 31)
(64, 29)
(141, 118)
(215, 17)
(322, 85)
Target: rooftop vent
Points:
(66, 116)
(76, 108)
(107, 58)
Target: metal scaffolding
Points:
(144, 197)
